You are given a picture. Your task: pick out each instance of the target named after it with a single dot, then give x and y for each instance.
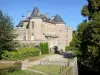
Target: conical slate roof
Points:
(58, 20)
(35, 12)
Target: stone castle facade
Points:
(40, 28)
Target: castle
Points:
(39, 28)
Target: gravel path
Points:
(55, 57)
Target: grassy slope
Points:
(24, 72)
(50, 69)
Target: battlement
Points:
(69, 28)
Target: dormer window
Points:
(32, 24)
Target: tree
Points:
(85, 11)
(67, 48)
(86, 42)
(6, 33)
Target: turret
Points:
(60, 31)
(35, 24)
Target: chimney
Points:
(53, 17)
(29, 14)
(47, 15)
(38, 13)
(23, 18)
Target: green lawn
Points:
(24, 72)
(50, 69)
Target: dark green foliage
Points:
(68, 48)
(6, 34)
(85, 11)
(44, 48)
(86, 42)
(91, 8)
(15, 67)
(21, 54)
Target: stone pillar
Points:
(75, 67)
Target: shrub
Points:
(10, 55)
(15, 67)
(21, 53)
(67, 48)
(44, 48)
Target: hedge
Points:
(21, 53)
(15, 67)
(44, 48)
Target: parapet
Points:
(69, 28)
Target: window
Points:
(44, 38)
(54, 26)
(66, 36)
(67, 42)
(32, 24)
(32, 36)
(54, 33)
(45, 32)
(24, 37)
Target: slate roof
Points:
(58, 20)
(20, 24)
(26, 20)
(35, 12)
